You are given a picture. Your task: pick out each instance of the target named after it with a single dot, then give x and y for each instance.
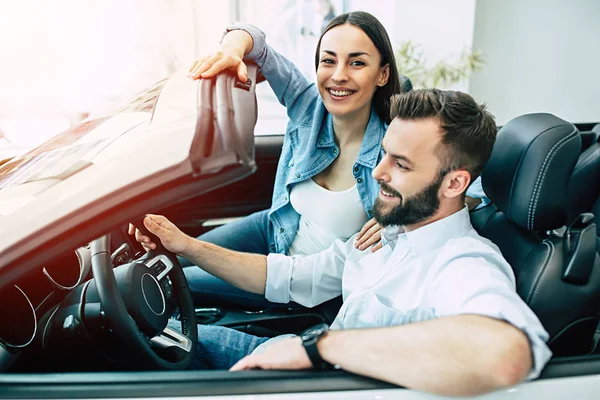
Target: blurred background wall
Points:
(542, 55)
(62, 60)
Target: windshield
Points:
(108, 140)
(75, 148)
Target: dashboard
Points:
(36, 309)
(24, 304)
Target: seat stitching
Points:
(535, 288)
(540, 179)
(535, 187)
(537, 197)
(537, 181)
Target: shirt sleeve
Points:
(483, 283)
(307, 280)
(293, 90)
(475, 190)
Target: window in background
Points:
(66, 59)
(293, 28)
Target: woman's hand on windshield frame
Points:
(234, 46)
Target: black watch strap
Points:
(313, 353)
(309, 340)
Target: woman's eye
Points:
(358, 63)
(327, 61)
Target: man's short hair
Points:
(468, 129)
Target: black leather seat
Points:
(558, 274)
(596, 212)
(590, 137)
(405, 83)
(584, 187)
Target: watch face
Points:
(314, 331)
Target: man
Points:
(438, 301)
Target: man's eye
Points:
(402, 166)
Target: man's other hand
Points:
(286, 354)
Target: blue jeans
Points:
(251, 234)
(220, 347)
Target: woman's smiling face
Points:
(349, 70)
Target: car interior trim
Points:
(170, 338)
(214, 383)
(162, 296)
(165, 260)
(84, 269)
(48, 323)
(35, 325)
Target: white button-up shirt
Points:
(444, 268)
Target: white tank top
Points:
(324, 216)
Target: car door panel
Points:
(236, 200)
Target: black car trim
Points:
(219, 383)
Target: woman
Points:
(323, 188)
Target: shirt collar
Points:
(370, 148)
(431, 236)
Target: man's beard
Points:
(411, 210)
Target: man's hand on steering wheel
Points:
(138, 298)
(171, 237)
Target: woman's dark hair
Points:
(378, 35)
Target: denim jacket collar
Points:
(371, 144)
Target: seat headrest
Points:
(528, 174)
(405, 84)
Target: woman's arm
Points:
(234, 46)
(247, 42)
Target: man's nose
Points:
(379, 173)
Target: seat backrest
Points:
(405, 83)
(584, 187)
(558, 275)
(590, 137)
(596, 212)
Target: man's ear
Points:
(456, 183)
(384, 75)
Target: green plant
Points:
(412, 63)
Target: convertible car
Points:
(84, 310)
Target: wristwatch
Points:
(310, 338)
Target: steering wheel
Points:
(137, 300)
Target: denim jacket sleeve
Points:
(296, 93)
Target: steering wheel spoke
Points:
(160, 266)
(170, 338)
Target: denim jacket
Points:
(309, 144)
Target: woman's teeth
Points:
(340, 93)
